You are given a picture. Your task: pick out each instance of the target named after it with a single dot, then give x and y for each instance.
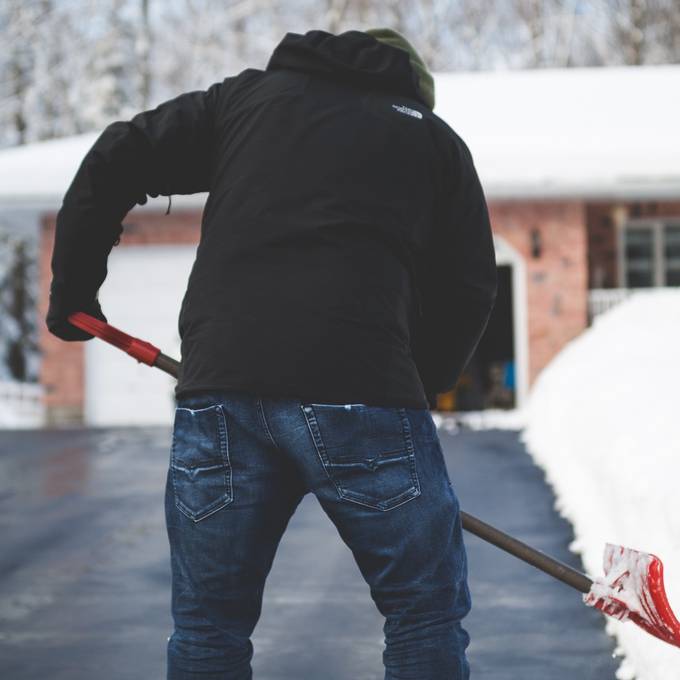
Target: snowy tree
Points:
(75, 66)
(644, 31)
(669, 33)
(17, 21)
(39, 67)
(143, 45)
(551, 33)
(48, 99)
(109, 88)
(18, 329)
(215, 40)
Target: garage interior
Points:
(488, 380)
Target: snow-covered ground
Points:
(603, 421)
(503, 419)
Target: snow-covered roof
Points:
(39, 172)
(586, 132)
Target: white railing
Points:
(602, 299)
(21, 405)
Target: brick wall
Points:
(557, 286)
(62, 369)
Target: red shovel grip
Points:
(141, 350)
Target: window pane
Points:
(673, 277)
(672, 254)
(639, 254)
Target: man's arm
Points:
(458, 279)
(163, 151)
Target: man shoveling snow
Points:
(344, 276)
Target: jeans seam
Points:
(265, 425)
(312, 426)
(406, 427)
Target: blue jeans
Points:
(240, 465)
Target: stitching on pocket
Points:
(372, 464)
(214, 491)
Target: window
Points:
(639, 257)
(672, 254)
(650, 254)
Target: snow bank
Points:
(603, 421)
(502, 419)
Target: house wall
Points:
(62, 370)
(601, 219)
(557, 294)
(556, 285)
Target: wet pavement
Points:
(85, 581)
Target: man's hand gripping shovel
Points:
(631, 589)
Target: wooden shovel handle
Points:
(535, 558)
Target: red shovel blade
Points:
(632, 589)
(141, 350)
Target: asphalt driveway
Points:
(85, 581)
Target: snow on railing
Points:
(602, 299)
(21, 404)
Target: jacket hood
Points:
(353, 56)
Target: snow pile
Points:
(502, 419)
(603, 420)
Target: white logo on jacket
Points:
(405, 109)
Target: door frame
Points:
(506, 254)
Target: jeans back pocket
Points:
(201, 471)
(367, 452)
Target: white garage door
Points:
(141, 296)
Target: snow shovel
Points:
(631, 589)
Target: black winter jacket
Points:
(345, 254)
